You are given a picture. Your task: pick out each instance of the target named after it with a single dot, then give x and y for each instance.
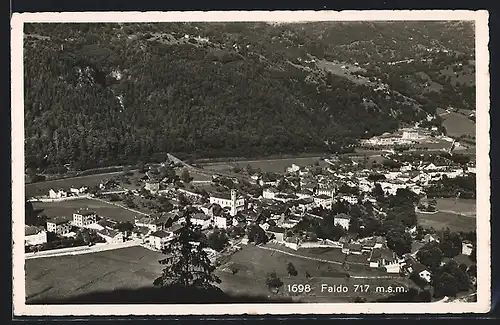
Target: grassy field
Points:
(458, 215)
(254, 264)
(65, 276)
(270, 165)
(457, 124)
(66, 208)
(42, 188)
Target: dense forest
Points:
(110, 94)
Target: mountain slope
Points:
(106, 94)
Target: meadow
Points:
(67, 276)
(269, 165)
(66, 208)
(457, 215)
(42, 188)
(457, 124)
(254, 264)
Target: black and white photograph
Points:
(250, 162)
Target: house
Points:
(57, 195)
(368, 245)
(304, 194)
(306, 204)
(289, 223)
(156, 223)
(222, 221)
(421, 271)
(278, 232)
(59, 225)
(140, 232)
(207, 209)
(467, 248)
(429, 238)
(351, 199)
(324, 201)
(380, 242)
(384, 257)
(111, 236)
(234, 202)
(352, 248)
(34, 235)
(84, 217)
(159, 239)
(269, 193)
(201, 219)
(342, 220)
(293, 169)
(78, 191)
(152, 186)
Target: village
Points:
(364, 209)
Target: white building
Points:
(111, 236)
(467, 248)
(351, 199)
(326, 191)
(293, 169)
(222, 221)
(78, 191)
(34, 235)
(58, 225)
(159, 239)
(201, 219)
(57, 195)
(324, 201)
(410, 135)
(84, 217)
(269, 193)
(342, 220)
(422, 272)
(234, 202)
(152, 186)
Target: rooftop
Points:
(160, 234)
(85, 212)
(342, 216)
(276, 229)
(58, 220)
(200, 216)
(108, 232)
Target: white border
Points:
(483, 165)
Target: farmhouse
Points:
(278, 232)
(78, 191)
(342, 220)
(59, 225)
(111, 236)
(234, 202)
(422, 272)
(84, 217)
(156, 223)
(201, 219)
(384, 257)
(57, 195)
(293, 169)
(34, 235)
(159, 239)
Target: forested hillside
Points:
(110, 94)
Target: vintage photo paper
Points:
(239, 162)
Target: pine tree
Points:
(187, 264)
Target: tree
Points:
(291, 269)
(256, 234)
(399, 242)
(445, 285)
(183, 200)
(273, 282)
(431, 256)
(125, 227)
(308, 275)
(187, 264)
(218, 240)
(185, 176)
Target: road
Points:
(82, 250)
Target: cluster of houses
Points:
(61, 193)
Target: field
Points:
(66, 208)
(457, 124)
(254, 264)
(270, 165)
(459, 215)
(65, 276)
(42, 188)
